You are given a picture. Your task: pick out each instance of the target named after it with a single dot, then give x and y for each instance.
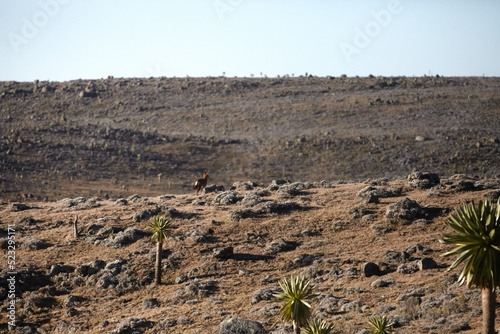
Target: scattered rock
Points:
(26, 221)
(131, 325)
(393, 256)
(289, 191)
(492, 195)
(31, 243)
(248, 185)
(223, 252)
(121, 201)
(226, 198)
(426, 263)
(408, 268)
(404, 210)
(212, 188)
(17, 206)
(251, 199)
(57, 268)
(150, 303)
(279, 245)
(181, 279)
(238, 325)
(370, 269)
(304, 260)
(382, 282)
(262, 294)
(423, 180)
(372, 194)
(146, 214)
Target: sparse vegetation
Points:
(380, 325)
(295, 294)
(162, 228)
(477, 241)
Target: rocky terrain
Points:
(113, 137)
(370, 248)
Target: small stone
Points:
(223, 252)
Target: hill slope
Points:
(229, 250)
(117, 136)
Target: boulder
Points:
(426, 263)
(382, 282)
(404, 210)
(423, 180)
(226, 198)
(262, 294)
(370, 269)
(223, 252)
(236, 325)
(279, 245)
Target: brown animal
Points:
(201, 183)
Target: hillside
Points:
(230, 248)
(113, 137)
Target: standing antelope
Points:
(201, 183)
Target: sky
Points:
(61, 40)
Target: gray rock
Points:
(251, 199)
(492, 195)
(371, 194)
(408, 268)
(130, 325)
(392, 256)
(405, 210)
(146, 214)
(72, 301)
(223, 252)
(351, 306)
(279, 245)
(64, 326)
(417, 249)
(382, 282)
(26, 221)
(304, 260)
(57, 268)
(16, 206)
(248, 185)
(370, 269)
(236, 325)
(262, 294)
(116, 266)
(212, 188)
(181, 279)
(226, 198)
(426, 263)
(150, 303)
(184, 320)
(328, 304)
(289, 191)
(423, 180)
(121, 201)
(31, 243)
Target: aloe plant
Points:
(296, 309)
(380, 325)
(162, 228)
(318, 326)
(477, 241)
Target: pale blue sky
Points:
(62, 40)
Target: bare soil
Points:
(326, 227)
(152, 136)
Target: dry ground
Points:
(324, 227)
